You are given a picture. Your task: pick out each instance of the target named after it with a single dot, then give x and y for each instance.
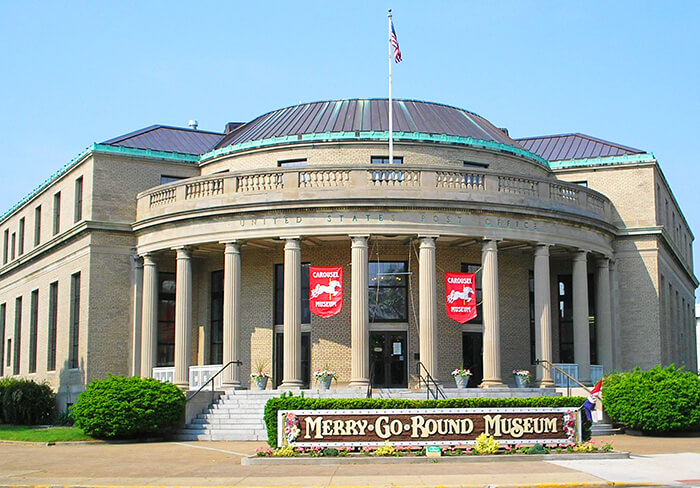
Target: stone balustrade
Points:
(360, 182)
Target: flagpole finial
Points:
(389, 10)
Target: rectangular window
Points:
(216, 344)
(12, 247)
(9, 352)
(475, 268)
(279, 294)
(57, 213)
(53, 321)
(385, 160)
(3, 308)
(566, 319)
(292, 163)
(78, 214)
(5, 245)
(17, 336)
(20, 243)
(474, 164)
(33, 326)
(74, 338)
(388, 298)
(169, 179)
(166, 320)
(37, 225)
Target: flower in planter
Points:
(461, 372)
(263, 451)
(523, 373)
(259, 372)
(325, 373)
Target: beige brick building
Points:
(169, 252)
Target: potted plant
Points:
(522, 378)
(461, 377)
(324, 377)
(260, 377)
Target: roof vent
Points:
(193, 124)
(504, 130)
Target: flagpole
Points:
(391, 118)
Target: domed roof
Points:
(367, 115)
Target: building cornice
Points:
(660, 232)
(62, 238)
(603, 161)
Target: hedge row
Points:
(658, 400)
(299, 403)
(24, 402)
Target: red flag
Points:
(460, 296)
(325, 290)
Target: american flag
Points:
(395, 44)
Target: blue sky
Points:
(81, 72)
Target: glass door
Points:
(388, 359)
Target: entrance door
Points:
(305, 358)
(473, 356)
(388, 355)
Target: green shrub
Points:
(25, 402)
(658, 400)
(299, 403)
(121, 407)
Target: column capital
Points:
(580, 255)
(603, 262)
(490, 244)
(149, 259)
(542, 249)
(138, 260)
(427, 241)
(359, 240)
(183, 252)
(232, 247)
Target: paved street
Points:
(659, 460)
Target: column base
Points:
(546, 384)
(359, 383)
(183, 386)
(291, 385)
(234, 385)
(492, 383)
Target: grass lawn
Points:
(32, 433)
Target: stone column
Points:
(183, 317)
(582, 347)
(136, 315)
(231, 377)
(292, 314)
(604, 331)
(149, 316)
(427, 295)
(492, 341)
(543, 316)
(359, 312)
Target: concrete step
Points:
(601, 428)
(243, 423)
(212, 436)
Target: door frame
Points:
(387, 333)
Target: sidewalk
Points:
(218, 464)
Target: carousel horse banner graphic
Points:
(460, 296)
(325, 290)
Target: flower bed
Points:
(485, 445)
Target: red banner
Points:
(326, 290)
(460, 296)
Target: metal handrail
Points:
(428, 378)
(547, 363)
(371, 375)
(211, 380)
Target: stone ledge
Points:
(330, 461)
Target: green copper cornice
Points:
(604, 161)
(147, 153)
(375, 136)
(100, 148)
